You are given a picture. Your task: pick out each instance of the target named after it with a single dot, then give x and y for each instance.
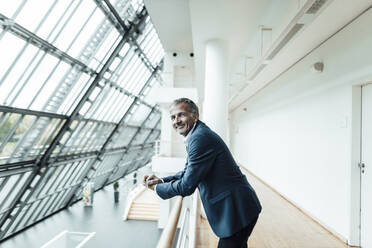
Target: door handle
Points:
(362, 166)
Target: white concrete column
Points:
(164, 209)
(215, 107)
(168, 73)
(166, 133)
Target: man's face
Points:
(182, 119)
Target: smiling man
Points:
(231, 205)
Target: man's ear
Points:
(196, 117)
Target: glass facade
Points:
(74, 82)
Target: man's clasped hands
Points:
(151, 181)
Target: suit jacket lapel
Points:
(189, 139)
(191, 133)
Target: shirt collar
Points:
(188, 135)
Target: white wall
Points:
(296, 133)
(178, 82)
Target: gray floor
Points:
(104, 218)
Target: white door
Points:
(366, 168)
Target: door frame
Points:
(355, 176)
(356, 158)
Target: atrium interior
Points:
(85, 91)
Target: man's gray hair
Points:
(190, 104)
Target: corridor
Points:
(281, 225)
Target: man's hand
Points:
(151, 181)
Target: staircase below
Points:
(145, 206)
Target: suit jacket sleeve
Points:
(174, 177)
(201, 154)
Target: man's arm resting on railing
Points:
(202, 155)
(151, 181)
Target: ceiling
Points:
(252, 30)
(171, 19)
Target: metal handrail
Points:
(188, 223)
(167, 236)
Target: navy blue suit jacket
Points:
(229, 201)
